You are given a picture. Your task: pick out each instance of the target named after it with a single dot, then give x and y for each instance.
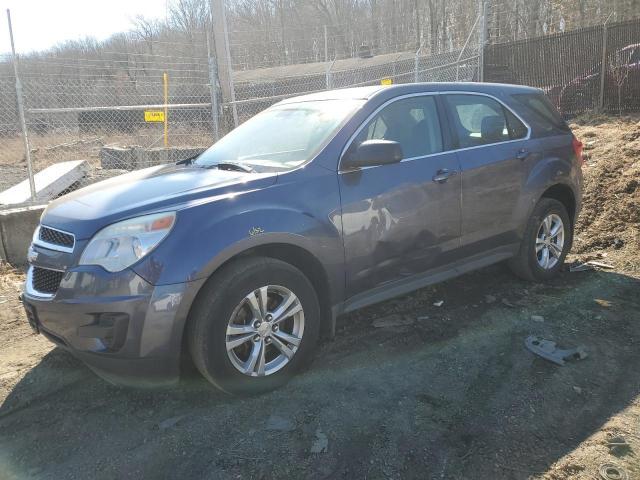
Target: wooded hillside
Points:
(282, 32)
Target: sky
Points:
(40, 24)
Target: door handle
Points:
(522, 154)
(443, 175)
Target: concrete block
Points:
(50, 183)
(114, 157)
(181, 153)
(155, 156)
(16, 230)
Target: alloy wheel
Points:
(550, 241)
(265, 331)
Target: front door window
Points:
(412, 122)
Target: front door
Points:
(403, 218)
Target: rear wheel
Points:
(254, 325)
(547, 240)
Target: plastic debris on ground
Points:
(548, 350)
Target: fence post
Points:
(482, 39)
(213, 92)
(603, 67)
(416, 66)
(223, 55)
(328, 79)
(326, 45)
(464, 47)
(23, 123)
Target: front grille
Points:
(56, 237)
(45, 280)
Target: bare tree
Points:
(619, 71)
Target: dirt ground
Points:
(455, 394)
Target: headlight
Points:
(120, 245)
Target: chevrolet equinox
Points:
(322, 204)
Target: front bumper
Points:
(125, 329)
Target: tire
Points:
(229, 293)
(527, 263)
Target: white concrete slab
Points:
(16, 229)
(50, 182)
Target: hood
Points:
(164, 187)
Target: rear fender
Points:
(548, 172)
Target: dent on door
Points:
(397, 222)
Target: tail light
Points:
(577, 149)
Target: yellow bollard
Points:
(166, 109)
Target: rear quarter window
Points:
(541, 114)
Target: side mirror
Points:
(371, 153)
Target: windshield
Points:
(629, 56)
(281, 137)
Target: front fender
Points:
(304, 213)
(322, 245)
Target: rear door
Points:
(403, 218)
(494, 154)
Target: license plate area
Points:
(32, 317)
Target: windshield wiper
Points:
(188, 161)
(232, 166)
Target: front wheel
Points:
(547, 240)
(254, 325)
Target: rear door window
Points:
(480, 120)
(517, 129)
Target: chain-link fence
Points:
(258, 89)
(103, 113)
(124, 114)
(106, 116)
(115, 112)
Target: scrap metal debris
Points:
(618, 446)
(590, 265)
(321, 443)
(581, 267)
(548, 350)
(439, 303)
(600, 264)
(609, 471)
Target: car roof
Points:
(366, 93)
(630, 47)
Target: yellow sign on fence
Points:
(153, 116)
(386, 81)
